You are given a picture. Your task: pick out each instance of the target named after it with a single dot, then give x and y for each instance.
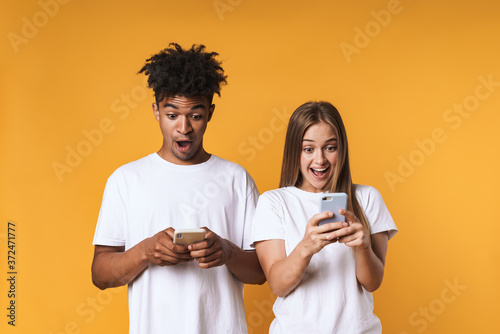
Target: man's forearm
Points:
(244, 265)
(112, 268)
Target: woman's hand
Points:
(316, 237)
(353, 233)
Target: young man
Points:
(174, 288)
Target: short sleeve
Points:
(110, 229)
(251, 201)
(375, 210)
(268, 220)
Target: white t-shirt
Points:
(146, 196)
(329, 298)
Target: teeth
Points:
(319, 169)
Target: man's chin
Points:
(184, 156)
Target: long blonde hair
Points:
(303, 117)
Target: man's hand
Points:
(161, 250)
(215, 251)
(212, 252)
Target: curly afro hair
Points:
(191, 72)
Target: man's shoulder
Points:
(134, 167)
(227, 170)
(228, 165)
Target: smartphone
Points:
(333, 202)
(188, 236)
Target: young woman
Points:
(324, 274)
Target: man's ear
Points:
(210, 112)
(156, 111)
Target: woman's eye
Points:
(308, 149)
(331, 148)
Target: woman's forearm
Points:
(370, 262)
(285, 275)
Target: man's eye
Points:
(197, 117)
(171, 116)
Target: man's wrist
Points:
(228, 249)
(143, 250)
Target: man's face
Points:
(183, 121)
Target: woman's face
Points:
(318, 157)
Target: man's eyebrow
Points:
(201, 105)
(170, 105)
(173, 106)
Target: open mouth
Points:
(319, 172)
(183, 146)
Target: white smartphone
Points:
(333, 202)
(188, 236)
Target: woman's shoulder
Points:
(281, 195)
(291, 191)
(375, 210)
(274, 193)
(365, 189)
(366, 193)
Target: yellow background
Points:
(76, 72)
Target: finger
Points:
(198, 245)
(170, 232)
(211, 264)
(344, 232)
(170, 253)
(170, 261)
(205, 244)
(164, 259)
(350, 217)
(210, 239)
(346, 238)
(351, 229)
(318, 217)
(354, 236)
(331, 237)
(208, 231)
(208, 257)
(352, 243)
(205, 249)
(166, 245)
(166, 240)
(175, 248)
(330, 227)
(201, 253)
(178, 259)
